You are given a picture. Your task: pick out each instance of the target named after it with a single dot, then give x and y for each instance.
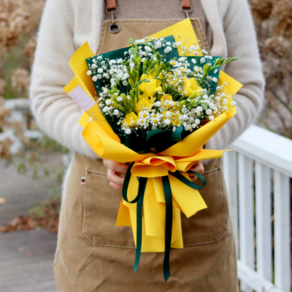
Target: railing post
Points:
(230, 174)
(246, 214)
(282, 230)
(263, 221)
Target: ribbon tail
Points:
(168, 226)
(192, 185)
(141, 191)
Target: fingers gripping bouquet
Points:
(154, 105)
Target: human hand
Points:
(114, 172)
(199, 168)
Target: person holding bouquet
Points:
(92, 254)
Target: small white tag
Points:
(79, 95)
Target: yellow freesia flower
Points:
(130, 120)
(190, 85)
(144, 103)
(151, 87)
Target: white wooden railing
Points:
(257, 174)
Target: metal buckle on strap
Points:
(114, 27)
(186, 11)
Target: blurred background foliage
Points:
(19, 21)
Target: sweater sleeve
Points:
(55, 112)
(241, 42)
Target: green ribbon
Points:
(168, 226)
(168, 212)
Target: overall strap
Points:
(112, 9)
(186, 7)
(111, 4)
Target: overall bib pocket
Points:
(101, 204)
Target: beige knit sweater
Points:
(67, 24)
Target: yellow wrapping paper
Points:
(179, 157)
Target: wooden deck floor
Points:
(26, 261)
(21, 192)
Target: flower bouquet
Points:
(154, 105)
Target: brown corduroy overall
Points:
(94, 255)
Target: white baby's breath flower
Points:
(99, 70)
(140, 41)
(128, 131)
(125, 82)
(108, 102)
(168, 114)
(112, 62)
(194, 60)
(197, 121)
(125, 76)
(98, 76)
(233, 102)
(94, 66)
(214, 79)
(148, 49)
(167, 122)
(94, 78)
(208, 111)
(89, 72)
(99, 57)
(202, 60)
(211, 118)
(199, 109)
(90, 120)
(167, 50)
(157, 45)
(116, 112)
